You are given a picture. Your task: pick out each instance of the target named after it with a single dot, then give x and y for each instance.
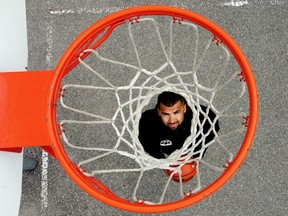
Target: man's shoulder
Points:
(149, 121)
(188, 114)
(149, 113)
(150, 117)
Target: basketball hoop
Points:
(28, 100)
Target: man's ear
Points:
(185, 108)
(158, 111)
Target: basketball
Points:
(188, 172)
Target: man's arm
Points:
(206, 127)
(147, 136)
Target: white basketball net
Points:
(144, 86)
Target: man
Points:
(164, 129)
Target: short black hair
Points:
(169, 99)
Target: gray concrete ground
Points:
(259, 187)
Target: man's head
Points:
(171, 108)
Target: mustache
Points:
(173, 122)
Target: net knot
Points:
(60, 128)
(246, 121)
(242, 77)
(227, 165)
(134, 19)
(61, 92)
(177, 19)
(140, 201)
(217, 40)
(190, 193)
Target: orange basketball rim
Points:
(28, 106)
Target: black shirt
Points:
(159, 140)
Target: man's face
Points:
(172, 116)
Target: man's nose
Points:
(171, 119)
